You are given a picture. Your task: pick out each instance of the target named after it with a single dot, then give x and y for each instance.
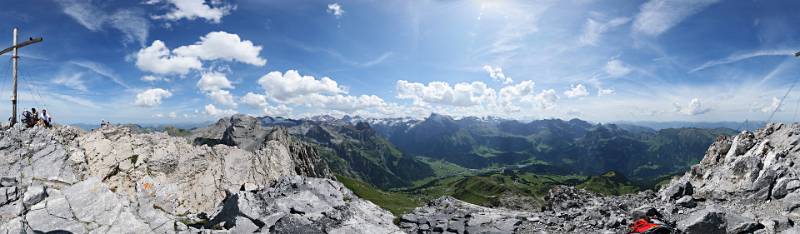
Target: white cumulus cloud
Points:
(157, 58)
(343, 102)
(211, 81)
(151, 97)
(212, 110)
(280, 110)
(291, 85)
(513, 93)
(213, 84)
(496, 73)
(324, 93)
(336, 10)
(254, 100)
(577, 91)
(223, 97)
(224, 46)
(546, 99)
(436, 92)
(695, 107)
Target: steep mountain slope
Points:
(112, 180)
(749, 183)
(574, 146)
(357, 151)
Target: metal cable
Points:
(796, 108)
(782, 98)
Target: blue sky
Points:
(171, 61)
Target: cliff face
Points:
(755, 175)
(748, 183)
(111, 180)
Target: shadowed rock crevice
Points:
(115, 180)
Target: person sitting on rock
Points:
(34, 115)
(46, 119)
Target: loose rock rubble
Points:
(113, 180)
(749, 183)
(239, 177)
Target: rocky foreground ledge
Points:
(111, 180)
(238, 177)
(749, 183)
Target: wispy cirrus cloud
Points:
(212, 11)
(593, 29)
(339, 56)
(743, 56)
(658, 16)
(73, 81)
(131, 22)
(102, 70)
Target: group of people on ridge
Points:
(31, 118)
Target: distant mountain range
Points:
(401, 162)
(746, 125)
(463, 157)
(399, 152)
(150, 127)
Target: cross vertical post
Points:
(15, 59)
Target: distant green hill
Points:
(496, 162)
(573, 146)
(358, 152)
(609, 183)
(397, 203)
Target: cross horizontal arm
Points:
(23, 44)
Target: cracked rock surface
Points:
(748, 183)
(114, 180)
(239, 177)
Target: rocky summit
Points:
(748, 183)
(237, 176)
(113, 180)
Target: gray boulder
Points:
(34, 194)
(740, 224)
(686, 201)
(704, 222)
(297, 204)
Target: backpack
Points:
(644, 226)
(26, 116)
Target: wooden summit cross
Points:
(15, 57)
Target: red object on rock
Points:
(642, 226)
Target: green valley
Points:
(400, 164)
